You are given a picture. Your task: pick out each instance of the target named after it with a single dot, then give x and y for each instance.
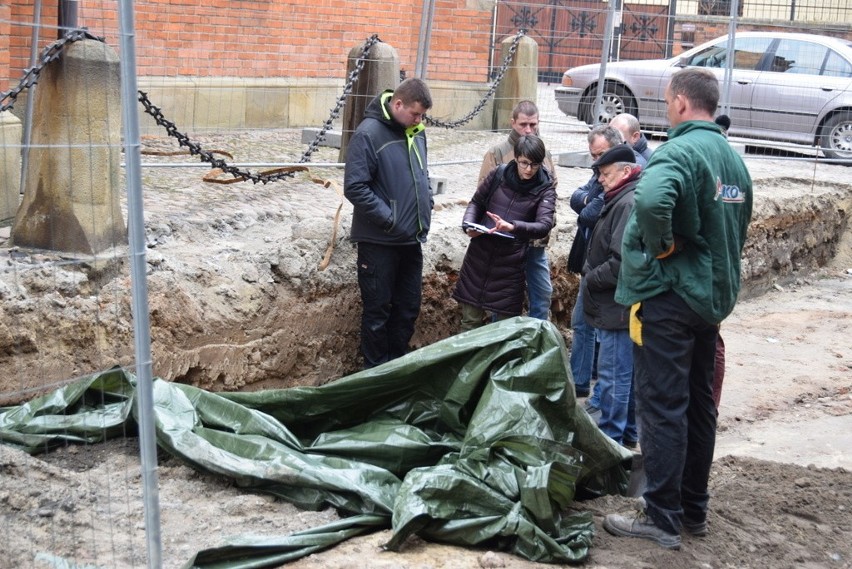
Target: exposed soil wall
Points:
(237, 299)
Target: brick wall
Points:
(297, 39)
(271, 38)
(4, 45)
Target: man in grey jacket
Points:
(387, 181)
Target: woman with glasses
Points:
(512, 205)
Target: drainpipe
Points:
(67, 16)
(426, 17)
(28, 113)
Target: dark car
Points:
(784, 87)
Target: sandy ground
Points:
(245, 260)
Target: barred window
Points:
(718, 8)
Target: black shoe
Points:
(640, 525)
(696, 529)
(630, 444)
(580, 392)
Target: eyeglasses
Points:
(527, 164)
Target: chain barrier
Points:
(54, 51)
(481, 105)
(279, 173)
(50, 53)
(341, 101)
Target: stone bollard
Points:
(520, 81)
(380, 72)
(72, 186)
(10, 164)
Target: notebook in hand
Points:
(483, 229)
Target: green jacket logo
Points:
(728, 193)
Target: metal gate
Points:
(571, 32)
(646, 32)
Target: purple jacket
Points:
(492, 273)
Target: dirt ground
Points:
(781, 485)
(238, 302)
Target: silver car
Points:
(785, 87)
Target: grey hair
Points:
(609, 133)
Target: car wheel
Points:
(836, 136)
(616, 100)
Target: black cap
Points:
(724, 121)
(618, 153)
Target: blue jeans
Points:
(615, 378)
(582, 345)
(391, 279)
(595, 397)
(539, 287)
(674, 404)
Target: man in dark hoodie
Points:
(387, 181)
(628, 126)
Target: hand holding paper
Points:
(468, 225)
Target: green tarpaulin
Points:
(476, 439)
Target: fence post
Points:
(380, 72)
(72, 190)
(520, 81)
(10, 164)
(605, 55)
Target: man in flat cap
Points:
(618, 173)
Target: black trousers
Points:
(675, 409)
(391, 280)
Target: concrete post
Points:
(11, 131)
(380, 72)
(72, 187)
(520, 81)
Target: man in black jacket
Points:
(387, 181)
(618, 173)
(587, 202)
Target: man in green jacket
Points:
(680, 274)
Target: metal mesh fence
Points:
(245, 82)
